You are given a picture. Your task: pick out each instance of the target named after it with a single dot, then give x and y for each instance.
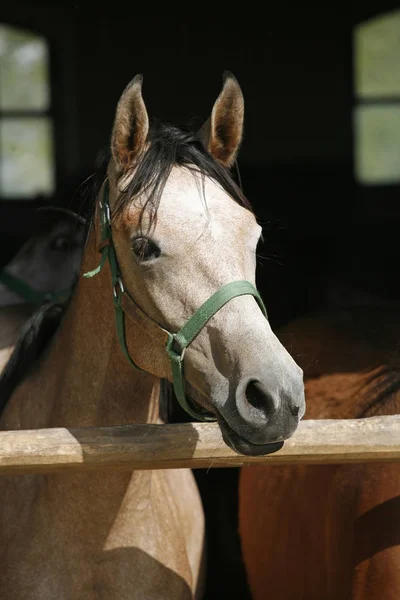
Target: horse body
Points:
(331, 532)
(141, 534)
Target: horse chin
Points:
(242, 446)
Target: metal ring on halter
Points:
(120, 285)
(108, 213)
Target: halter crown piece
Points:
(175, 343)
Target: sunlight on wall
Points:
(26, 136)
(376, 118)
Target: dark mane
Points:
(33, 340)
(171, 146)
(381, 389)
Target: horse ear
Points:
(222, 133)
(131, 126)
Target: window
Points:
(376, 118)
(26, 127)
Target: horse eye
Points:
(61, 242)
(145, 249)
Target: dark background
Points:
(294, 63)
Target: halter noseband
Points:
(175, 343)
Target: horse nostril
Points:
(295, 410)
(258, 398)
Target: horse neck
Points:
(350, 362)
(85, 380)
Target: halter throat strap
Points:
(175, 343)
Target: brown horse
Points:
(178, 236)
(45, 267)
(331, 532)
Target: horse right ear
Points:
(131, 126)
(222, 134)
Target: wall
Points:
(295, 80)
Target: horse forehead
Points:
(61, 227)
(57, 228)
(190, 199)
(192, 205)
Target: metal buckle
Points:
(180, 353)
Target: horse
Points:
(45, 268)
(173, 299)
(333, 531)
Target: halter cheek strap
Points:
(28, 293)
(175, 343)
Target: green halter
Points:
(176, 343)
(28, 293)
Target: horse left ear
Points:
(131, 126)
(222, 133)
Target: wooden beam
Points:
(194, 445)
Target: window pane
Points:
(377, 56)
(377, 143)
(24, 72)
(26, 150)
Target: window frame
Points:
(47, 113)
(61, 31)
(358, 101)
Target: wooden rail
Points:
(193, 445)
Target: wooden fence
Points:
(193, 445)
